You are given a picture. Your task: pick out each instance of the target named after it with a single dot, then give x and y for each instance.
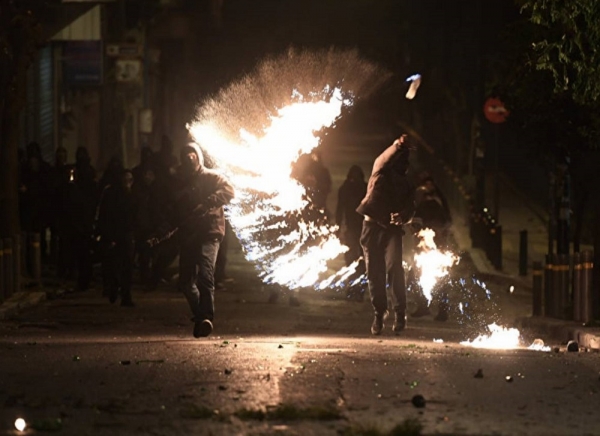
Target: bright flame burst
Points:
(268, 200)
(502, 338)
(256, 129)
(432, 263)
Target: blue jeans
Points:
(197, 276)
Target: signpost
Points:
(495, 112)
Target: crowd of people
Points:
(106, 218)
(127, 217)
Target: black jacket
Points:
(389, 190)
(198, 207)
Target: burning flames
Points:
(498, 338)
(432, 263)
(269, 211)
(502, 338)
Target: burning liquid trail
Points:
(433, 264)
(255, 130)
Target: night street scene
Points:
(299, 217)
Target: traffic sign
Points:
(495, 111)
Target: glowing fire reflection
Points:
(433, 264)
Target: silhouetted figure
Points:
(35, 195)
(83, 165)
(201, 195)
(115, 228)
(112, 174)
(387, 206)
(165, 162)
(432, 212)
(76, 223)
(60, 176)
(146, 162)
(310, 171)
(146, 215)
(350, 194)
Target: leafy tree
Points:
(556, 96)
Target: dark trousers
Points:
(382, 249)
(197, 276)
(117, 269)
(221, 265)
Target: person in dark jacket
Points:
(310, 171)
(116, 217)
(76, 224)
(387, 206)
(432, 212)
(198, 209)
(350, 195)
(35, 193)
(61, 174)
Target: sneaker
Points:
(203, 328)
(377, 325)
(399, 322)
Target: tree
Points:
(562, 51)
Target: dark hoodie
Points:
(389, 190)
(199, 201)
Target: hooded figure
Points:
(350, 195)
(198, 209)
(387, 206)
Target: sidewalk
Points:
(518, 213)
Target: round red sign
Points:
(494, 110)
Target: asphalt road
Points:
(80, 366)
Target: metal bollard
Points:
(566, 305)
(17, 264)
(2, 293)
(587, 267)
(577, 270)
(36, 258)
(548, 286)
(497, 247)
(8, 266)
(538, 304)
(523, 253)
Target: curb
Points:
(25, 299)
(21, 300)
(563, 331)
